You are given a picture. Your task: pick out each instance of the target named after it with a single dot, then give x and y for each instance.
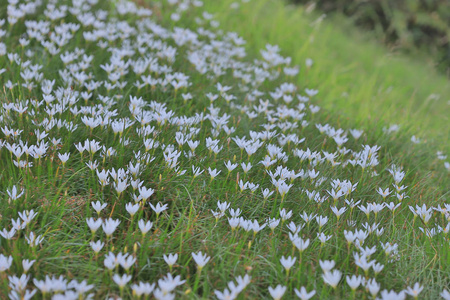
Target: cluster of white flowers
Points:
(127, 108)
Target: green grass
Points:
(62, 194)
(358, 79)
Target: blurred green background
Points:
(404, 25)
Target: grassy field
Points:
(150, 153)
(358, 78)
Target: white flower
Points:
(33, 240)
(132, 208)
(445, 294)
(121, 281)
(234, 222)
(277, 292)
(223, 206)
(200, 259)
(338, 212)
(283, 188)
(159, 208)
(414, 291)
(196, 171)
(327, 265)
(356, 133)
(27, 216)
(273, 223)
(246, 167)
(145, 193)
(256, 227)
(102, 178)
(170, 259)
(225, 295)
(323, 238)
(145, 226)
(321, 220)
(93, 224)
(120, 186)
(97, 246)
(230, 166)
(213, 173)
(384, 193)
(266, 193)
(373, 287)
(415, 140)
(64, 157)
(10, 234)
(285, 215)
(109, 226)
(377, 268)
(5, 262)
(288, 262)
(392, 295)
(169, 283)
(98, 207)
(303, 294)
(80, 287)
(354, 281)
(14, 194)
(126, 261)
(26, 264)
(235, 213)
(143, 288)
(332, 278)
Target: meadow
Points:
(187, 149)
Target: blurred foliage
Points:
(403, 24)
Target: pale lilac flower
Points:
(277, 292)
(200, 259)
(303, 294)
